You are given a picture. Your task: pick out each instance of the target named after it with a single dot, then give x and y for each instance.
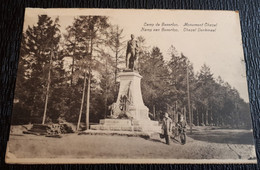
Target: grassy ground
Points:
(204, 143)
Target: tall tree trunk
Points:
(105, 115)
(72, 71)
(211, 116)
(207, 116)
(153, 111)
(191, 115)
(106, 90)
(89, 78)
(115, 86)
(176, 112)
(184, 113)
(188, 93)
(117, 48)
(198, 121)
(202, 117)
(72, 68)
(88, 96)
(116, 65)
(82, 101)
(48, 89)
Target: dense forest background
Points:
(66, 76)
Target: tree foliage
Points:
(37, 44)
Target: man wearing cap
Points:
(167, 128)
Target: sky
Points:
(205, 37)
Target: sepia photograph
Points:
(131, 86)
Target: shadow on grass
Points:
(226, 136)
(174, 140)
(162, 140)
(155, 140)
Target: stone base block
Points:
(127, 125)
(138, 128)
(145, 122)
(115, 122)
(111, 127)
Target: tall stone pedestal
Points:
(130, 88)
(130, 106)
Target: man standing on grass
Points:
(167, 128)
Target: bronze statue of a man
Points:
(131, 53)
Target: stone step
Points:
(120, 133)
(145, 122)
(112, 127)
(126, 128)
(115, 121)
(128, 122)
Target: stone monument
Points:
(129, 113)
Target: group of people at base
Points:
(167, 126)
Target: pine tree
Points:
(117, 45)
(177, 88)
(21, 110)
(38, 42)
(206, 91)
(85, 35)
(154, 72)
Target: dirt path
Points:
(99, 146)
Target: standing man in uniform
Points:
(131, 52)
(167, 128)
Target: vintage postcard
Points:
(131, 86)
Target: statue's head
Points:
(132, 36)
(181, 118)
(166, 115)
